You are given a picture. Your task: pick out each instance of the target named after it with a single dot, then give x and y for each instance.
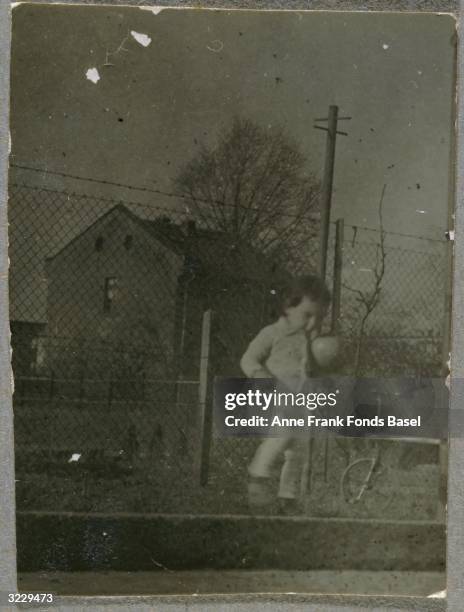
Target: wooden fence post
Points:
(52, 415)
(205, 400)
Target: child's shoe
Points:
(260, 496)
(288, 507)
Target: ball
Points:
(325, 350)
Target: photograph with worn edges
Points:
(230, 201)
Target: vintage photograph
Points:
(198, 195)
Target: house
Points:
(118, 340)
(112, 294)
(126, 298)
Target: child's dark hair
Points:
(309, 286)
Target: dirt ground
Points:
(166, 582)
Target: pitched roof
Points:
(211, 251)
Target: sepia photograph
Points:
(208, 207)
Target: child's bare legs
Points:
(260, 470)
(290, 475)
(266, 455)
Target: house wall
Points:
(139, 327)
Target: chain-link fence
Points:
(393, 304)
(107, 303)
(391, 321)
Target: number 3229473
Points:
(30, 597)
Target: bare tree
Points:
(369, 300)
(253, 187)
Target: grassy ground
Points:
(404, 487)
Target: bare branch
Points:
(253, 186)
(370, 299)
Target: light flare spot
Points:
(142, 39)
(93, 75)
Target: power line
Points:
(99, 181)
(91, 197)
(145, 189)
(183, 197)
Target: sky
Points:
(154, 106)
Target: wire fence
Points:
(106, 306)
(403, 332)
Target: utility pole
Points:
(327, 182)
(326, 203)
(337, 274)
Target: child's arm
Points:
(255, 357)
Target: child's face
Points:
(305, 315)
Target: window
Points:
(111, 283)
(99, 244)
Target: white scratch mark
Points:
(438, 594)
(365, 269)
(153, 9)
(419, 72)
(218, 46)
(422, 212)
(142, 39)
(93, 75)
(120, 49)
(385, 46)
(74, 457)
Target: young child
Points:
(282, 351)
